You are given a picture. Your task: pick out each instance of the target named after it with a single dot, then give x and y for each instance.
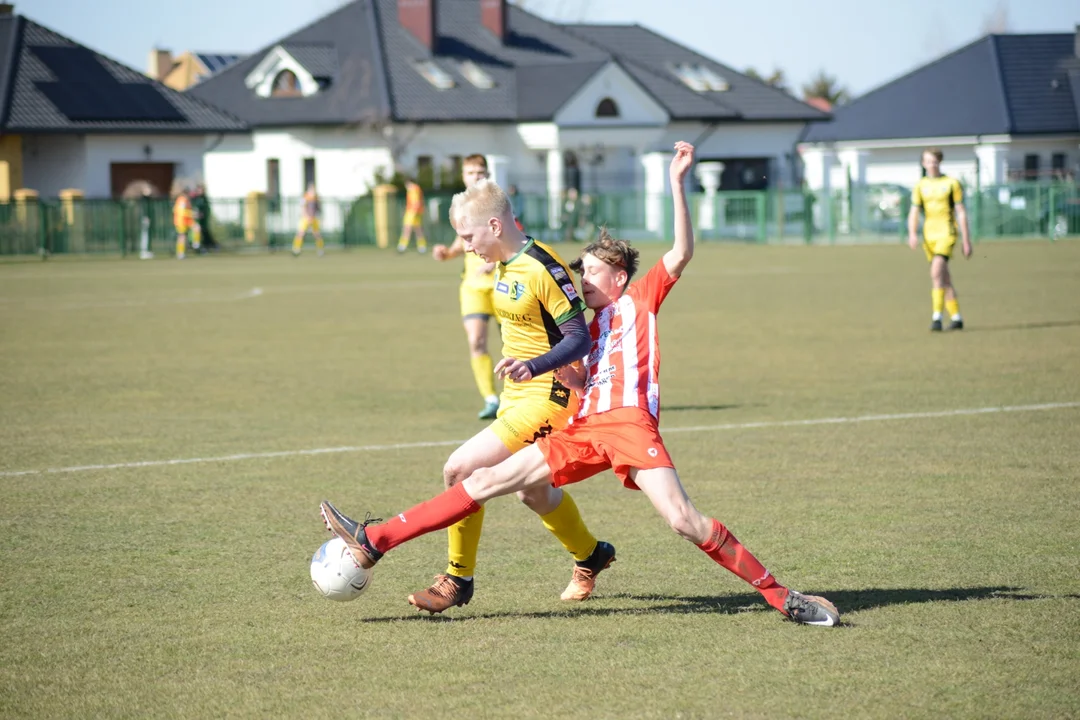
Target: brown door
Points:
(136, 179)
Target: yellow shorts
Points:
(308, 224)
(938, 247)
(182, 229)
(412, 219)
(524, 422)
(476, 301)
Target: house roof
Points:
(216, 62)
(997, 85)
(49, 83)
(535, 70)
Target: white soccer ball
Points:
(335, 575)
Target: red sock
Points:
(439, 512)
(725, 549)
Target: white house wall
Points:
(52, 163)
(184, 152)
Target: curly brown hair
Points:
(619, 253)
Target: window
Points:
(286, 84)
(435, 74)
(607, 108)
(425, 171)
(273, 184)
(1057, 165)
(1031, 167)
(309, 173)
(699, 78)
(475, 75)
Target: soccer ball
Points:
(335, 575)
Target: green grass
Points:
(949, 543)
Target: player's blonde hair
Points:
(483, 200)
(611, 250)
(936, 152)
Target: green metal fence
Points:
(851, 215)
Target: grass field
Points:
(158, 509)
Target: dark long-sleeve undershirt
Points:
(574, 345)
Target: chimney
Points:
(493, 17)
(159, 64)
(418, 17)
(6, 9)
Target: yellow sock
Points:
(937, 296)
(319, 243)
(180, 245)
(952, 307)
(297, 243)
(464, 543)
(565, 523)
(484, 374)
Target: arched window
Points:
(286, 85)
(607, 108)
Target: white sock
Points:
(936, 316)
(956, 317)
(491, 399)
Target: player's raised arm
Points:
(679, 255)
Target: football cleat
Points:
(956, 325)
(446, 592)
(583, 581)
(811, 610)
(490, 411)
(935, 326)
(362, 550)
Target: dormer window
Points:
(607, 108)
(476, 75)
(286, 84)
(699, 78)
(434, 74)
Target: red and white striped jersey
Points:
(624, 362)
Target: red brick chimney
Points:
(418, 17)
(493, 17)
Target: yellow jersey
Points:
(534, 293)
(938, 198)
(472, 278)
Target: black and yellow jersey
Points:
(534, 293)
(938, 198)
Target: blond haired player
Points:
(543, 327)
(617, 427)
(475, 295)
(941, 199)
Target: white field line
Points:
(447, 443)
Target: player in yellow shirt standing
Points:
(183, 221)
(309, 220)
(543, 328)
(475, 294)
(413, 221)
(941, 199)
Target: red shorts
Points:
(620, 439)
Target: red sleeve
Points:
(654, 287)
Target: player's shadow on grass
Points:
(847, 601)
(1024, 326)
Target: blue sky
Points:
(864, 43)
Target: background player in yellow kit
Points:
(543, 327)
(183, 221)
(309, 220)
(475, 294)
(413, 221)
(941, 200)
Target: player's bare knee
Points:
(453, 473)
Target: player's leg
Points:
(406, 233)
(181, 242)
(421, 239)
(664, 489)
(475, 311)
(316, 230)
(938, 267)
(952, 303)
(298, 239)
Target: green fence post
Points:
(761, 205)
(1051, 217)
